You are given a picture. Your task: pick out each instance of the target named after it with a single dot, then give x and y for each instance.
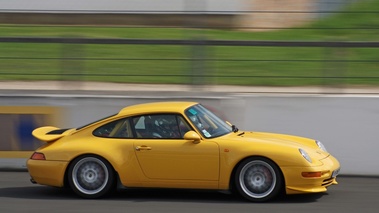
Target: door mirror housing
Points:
(193, 136)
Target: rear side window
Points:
(115, 129)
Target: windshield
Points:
(206, 122)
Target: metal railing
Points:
(72, 61)
(194, 58)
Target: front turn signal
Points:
(38, 156)
(311, 174)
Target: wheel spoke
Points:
(257, 179)
(90, 175)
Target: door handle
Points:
(139, 148)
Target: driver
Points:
(169, 127)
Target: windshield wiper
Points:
(234, 128)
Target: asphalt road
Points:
(17, 194)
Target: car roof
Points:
(156, 107)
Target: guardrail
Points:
(201, 65)
(346, 44)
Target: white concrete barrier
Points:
(347, 125)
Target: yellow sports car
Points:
(178, 145)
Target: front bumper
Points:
(297, 184)
(46, 172)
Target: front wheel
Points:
(258, 179)
(91, 177)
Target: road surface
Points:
(17, 194)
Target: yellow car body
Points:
(205, 154)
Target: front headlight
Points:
(321, 146)
(305, 155)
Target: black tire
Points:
(91, 177)
(258, 179)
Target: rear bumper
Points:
(45, 172)
(297, 184)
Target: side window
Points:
(160, 126)
(184, 127)
(115, 129)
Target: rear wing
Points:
(48, 133)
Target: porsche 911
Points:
(178, 145)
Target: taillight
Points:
(38, 156)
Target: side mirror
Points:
(193, 136)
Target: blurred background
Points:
(67, 63)
(212, 42)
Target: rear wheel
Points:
(258, 179)
(91, 177)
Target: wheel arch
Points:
(66, 184)
(233, 173)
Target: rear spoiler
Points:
(48, 133)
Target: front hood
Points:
(289, 140)
(266, 139)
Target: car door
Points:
(163, 154)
